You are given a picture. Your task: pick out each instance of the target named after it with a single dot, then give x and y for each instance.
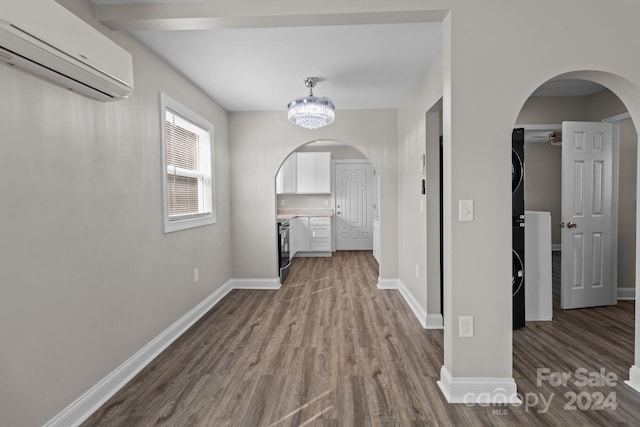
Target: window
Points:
(187, 164)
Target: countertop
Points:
(293, 213)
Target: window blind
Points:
(187, 179)
(184, 177)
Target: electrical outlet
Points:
(466, 210)
(326, 202)
(283, 202)
(196, 275)
(466, 326)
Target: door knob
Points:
(571, 225)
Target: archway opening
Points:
(328, 194)
(578, 247)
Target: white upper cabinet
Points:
(323, 172)
(307, 172)
(314, 173)
(287, 178)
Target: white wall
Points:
(489, 74)
(337, 151)
(88, 277)
(627, 205)
(434, 131)
(260, 141)
(412, 145)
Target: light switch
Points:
(466, 210)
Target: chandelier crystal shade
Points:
(311, 112)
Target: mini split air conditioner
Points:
(45, 39)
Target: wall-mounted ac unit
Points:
(49, 41)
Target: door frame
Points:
(615, 121)
(332, 202)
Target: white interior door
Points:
(587, 238)
(354, 206)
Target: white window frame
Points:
(206, 204)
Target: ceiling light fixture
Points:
(311, 112)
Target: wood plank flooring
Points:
(330, 349)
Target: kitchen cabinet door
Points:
(302, 237)
(320, 228)
(323, 173)
(306, 173)
(314, 173)
(287, 177)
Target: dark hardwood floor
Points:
(330, 349)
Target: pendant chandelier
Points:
(311, 112)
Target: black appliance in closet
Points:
(517, 207)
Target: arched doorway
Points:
(328, 192)
(580, 97)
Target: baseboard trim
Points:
(388, 283)
(313, 254)
(626, 293)
(269, 284)
(472, 390)
(415, 307)
(79, 410)
(634, 378)
(435, 321)
(418, 311)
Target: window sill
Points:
(187, 223)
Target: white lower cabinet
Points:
(301, 239)
(312, 234)
(320, 228)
